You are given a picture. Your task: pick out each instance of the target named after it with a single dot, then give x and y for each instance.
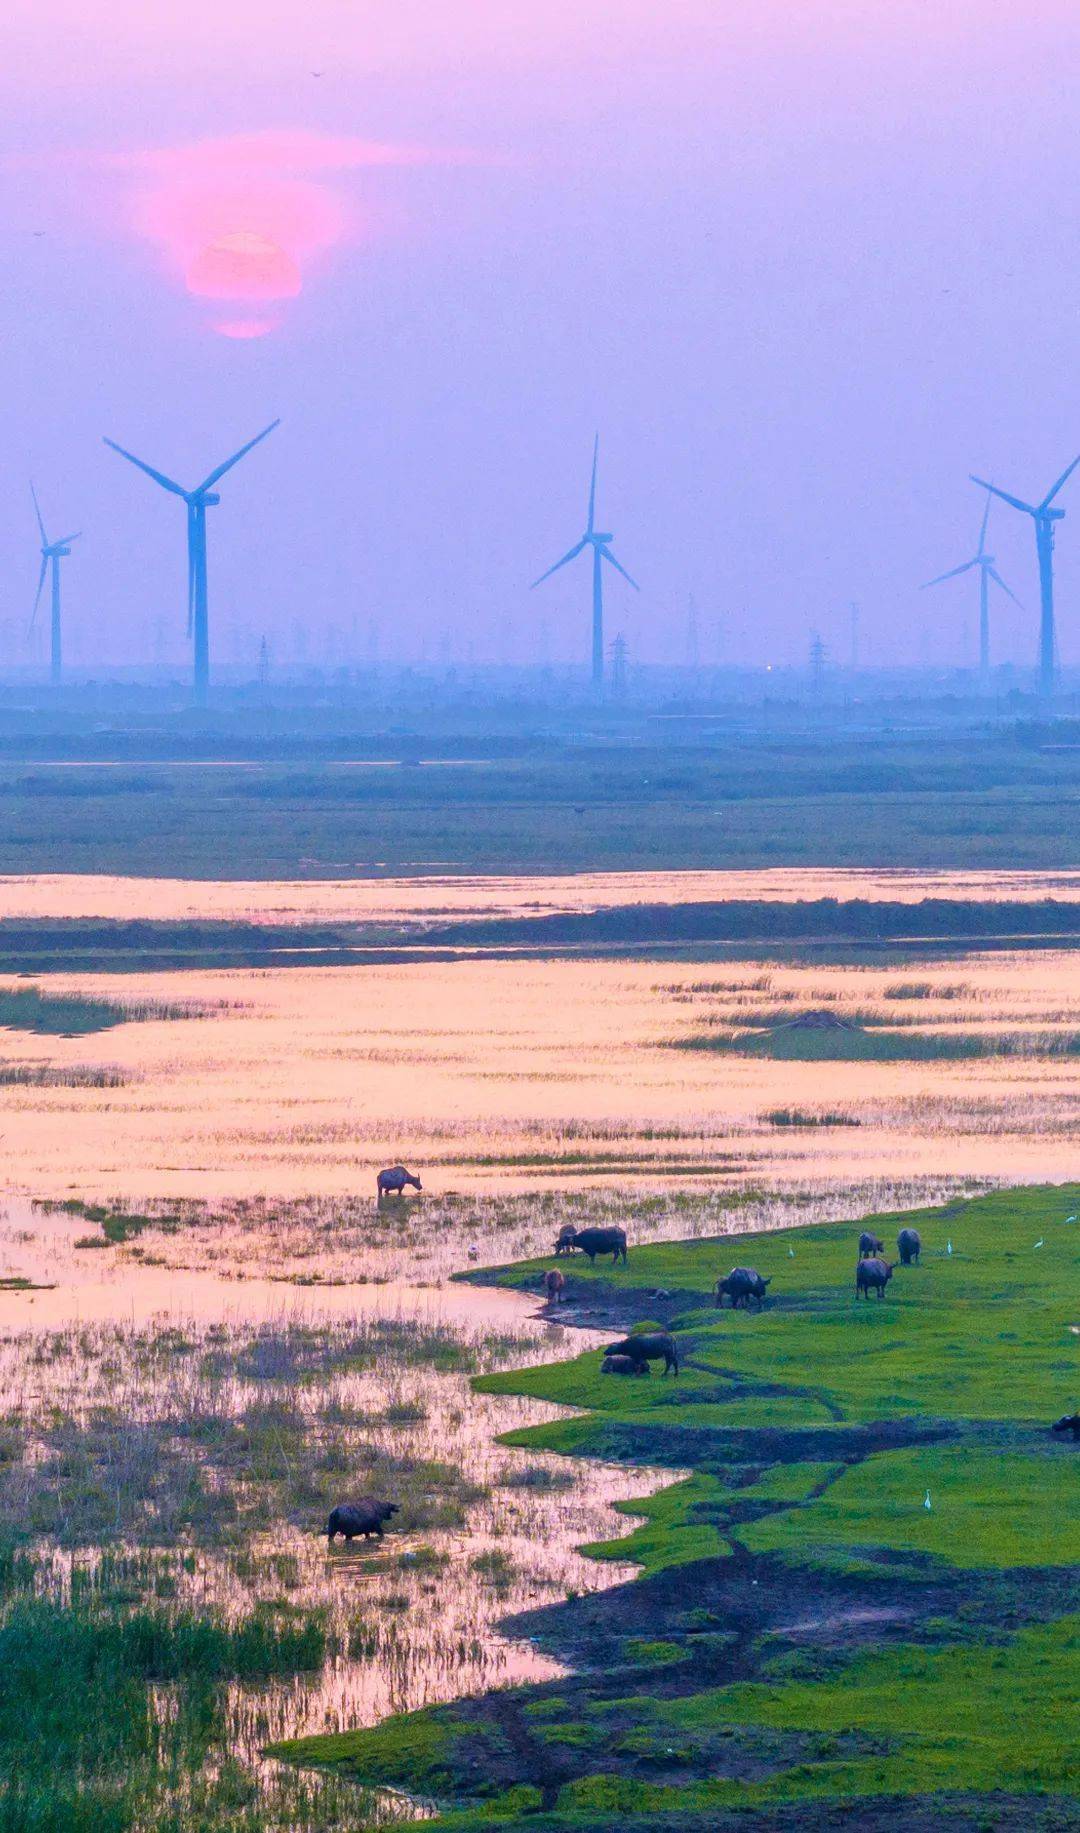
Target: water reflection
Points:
(130, 1399)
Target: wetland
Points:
(210, 1333)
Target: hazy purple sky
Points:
(804, 265)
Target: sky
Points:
(802, 266)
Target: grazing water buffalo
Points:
(741, 1285)
(909, 1242)
(567, 1239)
(869, 1245)
(873, 1273)
(648, 1346)
(1070, 1422)
(554, 1284)
(623, 1365)
(392, 1181)
(593, 1241)
(364, 1517)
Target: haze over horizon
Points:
(803, 274)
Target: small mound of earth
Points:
(817, 1021)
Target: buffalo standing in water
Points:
(869, 1245)
(647, 1346)
(909, 1243)
(364, 1517)
(1069, 1423)
(874, 1274)
(593, 1241)
(741, 1285)
(554, 1285)
(393, 1181)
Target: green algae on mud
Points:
(861, 1597)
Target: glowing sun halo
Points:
(243, 265)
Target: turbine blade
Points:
(159, 477)
(996, 577)
(982, 531)
(1067, 473)
(572, 555)
(1029, 509)
(37, 512)
(66, 539)
(220, 470)
(592, 486)
(40, 589)
(610, 558)
(952, 574)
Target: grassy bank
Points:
(857, 1597)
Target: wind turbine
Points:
(198, 501)
(1044, 518)
(987, 572)
(601, 551)
(52, 552)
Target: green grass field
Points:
(861, 1599)
(612, 796)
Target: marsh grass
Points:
(863, 1042)
(802, 1117)
(56, 1075)
(208, 1433)
(72, 1015)
(115, 1716)
(163, 1499)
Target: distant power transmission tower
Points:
(264, 661)
(819, 656)
(618, 667)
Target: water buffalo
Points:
(393, 1180)
(623, 1365)
(554, 1284)
(873, 1273)
(909, 1242)
(593, 1241)
(741, 1285)
(1070, 1422)
(648, 1346)
(364, 1517)
(869, 1245)
(567, 1239)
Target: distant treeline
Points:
(55, 934)
(825, 919)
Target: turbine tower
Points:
(198, 501)
(52, 552)
(1044, 518)
(987, 572)
(601, 551)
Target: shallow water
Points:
(392, 899)
(414, 1616)
(501, 1077)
